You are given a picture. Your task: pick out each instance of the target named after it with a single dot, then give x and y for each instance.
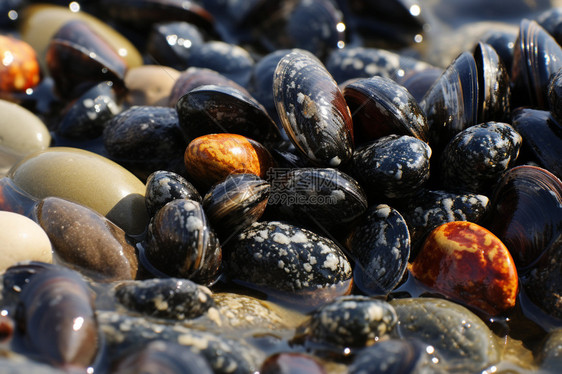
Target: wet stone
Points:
(461, 340)
(87, 241)
(170, 298)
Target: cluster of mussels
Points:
(273, 186)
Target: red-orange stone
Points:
(211, 158)
(468, 263)
(19, 68)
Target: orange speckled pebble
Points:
(211, 158)
(468, 263)
(19, 68)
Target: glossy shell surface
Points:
(20, 68)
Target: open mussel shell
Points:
(542, 138)
(379, 106)
(380, 247)
(163, 186)
(451, 104)
(236, 203)
(525, 213)
(181, 243)
(474, 160)
(220, 109)
(78, 58)
(57, 319)
(494, 86)
(312, 110)
(536, 58)
(324, 198)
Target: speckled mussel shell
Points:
(392, 167)
(163, 186)
(350, 322)
(380, 247)
(476, 157)
(379, 106)
(312, 109)
(289, 262)
(180, 242)
(326, 197)
(170, 298)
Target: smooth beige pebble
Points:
(21, 239)
(150, 85)
(85, 178)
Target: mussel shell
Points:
(350, 321)
(526, 213)
(169, 298)
(324, 197)
(288, 262)
(180, 242)
(312, 110)
(194, 77)
(551, 21)
(431, 208)
(536, 58)
(292, 362)
(78, 58)
(554, 95)
(493, 80)
(451, 104)
(56, 316)
(379, 107)
(161, 357)
(474, 160)
(542, 138)
(418, 82)
(172, 43)
(220, 109)
(380, 247)
(163, 186)
(236, 203)
(392, 167)
(145, 139)
(503, 42)
(86, 118)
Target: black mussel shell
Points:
(288, 263)
(380, 247)
(494, 89)
(391, 167)
(171, 44)
(451, 104)
(161, 357)
(503, 42)
(78, 58)
(418, 82)
(536, 58)
(349, 322)
(554, 95)
(379, 106)
(194, 77)
(236, 203)
(145, 139)
(312, 109)
(56, 316)
(475, 159)
(317, 197)
(551, 21)
(214, 109)
(526, 214)
(431, 208)
(169, 298)
(360, 62)
(163, 186)
(180, 243)
(86, 118)
(542, 138)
